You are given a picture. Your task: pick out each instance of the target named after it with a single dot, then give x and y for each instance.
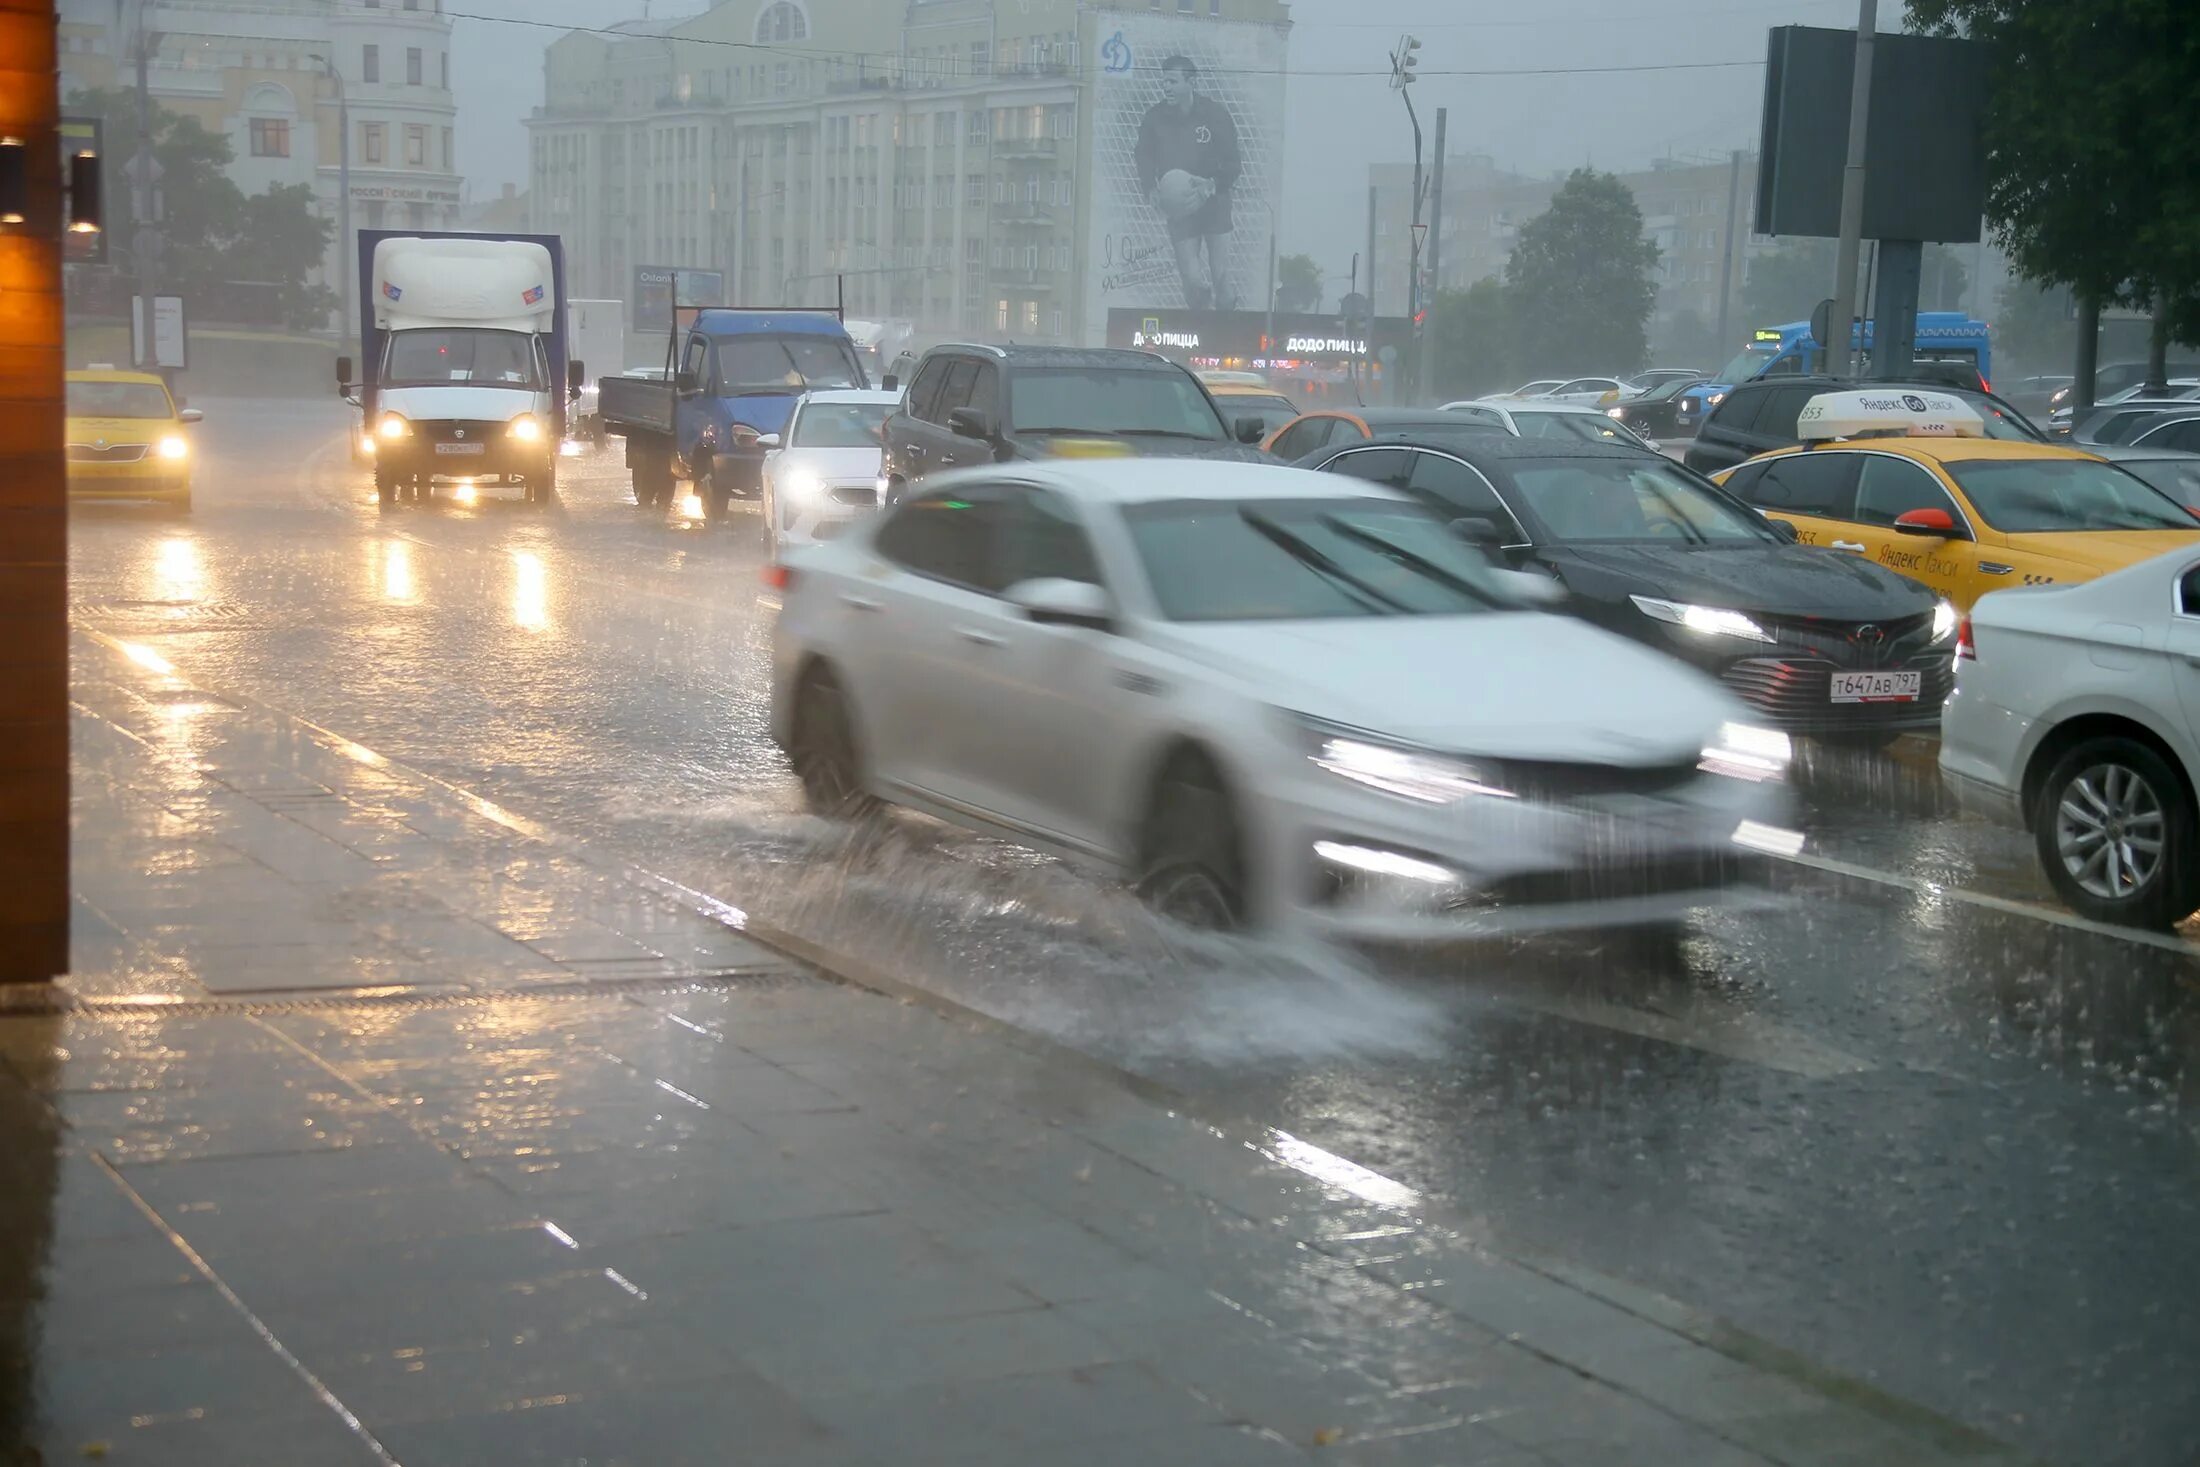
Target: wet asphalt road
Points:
(1942, 1144)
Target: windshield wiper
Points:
(1299, 549)
(1165, 433)
(1429, 568)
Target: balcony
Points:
(1019, 278)
(1024, 215)
(1034, 149)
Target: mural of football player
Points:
(1188, 163)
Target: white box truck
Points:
(465, 372)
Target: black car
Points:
(1815, 641)
(1654, 414)
(1759, 416)
(992, 404)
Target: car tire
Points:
(385, 487)
(715, 499)
(2101, 804)
(1191, 852)
(823, 748)
(543, 487)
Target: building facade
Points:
(277, 78)
(970, 167)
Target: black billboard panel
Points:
(1925, 152)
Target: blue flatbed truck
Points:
(732, 374)
(1943, 337)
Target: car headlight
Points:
(392, 427)
(1414, 774)
(1708, 621)
(526, 428)
(1714, 399)
(1944, 621)
(173, 448)
(801, 485)
(366, 444)
(1615, 412)
(1744, 751)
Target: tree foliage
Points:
(1787, 282)
(1581, 280)
(214, 235)
(1298, 284)
(1475, 352)
(2089, 183)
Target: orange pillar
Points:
(34, 654)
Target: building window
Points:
(370, 142)
(271, 137)
(416, 145)
(782, 21)
(1054, 322)
(447, 150)
(1031, 316)
(412, 66)
(370, 63)
(1000, 315)
(445, 58)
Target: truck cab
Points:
(736, 378)
(1948, 344)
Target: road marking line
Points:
(1735, 1036)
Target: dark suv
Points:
(990, 404)
(1757, 417)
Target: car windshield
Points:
(1628, 501)
(1572, 427)
(757, 365)
(1112, 400)
(1308, 559)
(840, 424)
(1668, 389)
(469, 357)
(2179, 478)
(1273, 412)
(2045, 495)
(1747, 363)
(118, 400)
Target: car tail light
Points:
(779, 577)
(1966, 648)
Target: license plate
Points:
(1877, 687)
(456, 448)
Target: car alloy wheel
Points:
(2110, 830)
(824, 754)
(1192, 869)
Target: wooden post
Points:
(34, 571)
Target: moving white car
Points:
(1546, 418)
(821, 472)
(1266, 696)
(2076, 716)
(1596, 391)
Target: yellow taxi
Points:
(1907, 479)
(125, 438)
(1248, 395)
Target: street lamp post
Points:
(1402, 62)
(345, 246)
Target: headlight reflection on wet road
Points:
(530, 592)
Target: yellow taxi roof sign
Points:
(1090, 448)
(1887, 412)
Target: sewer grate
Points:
(37, 1000)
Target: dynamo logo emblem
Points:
(1115, 55)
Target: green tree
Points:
(2033, 329)
(1581, 280)
(2083, 187)
(1298, 284)
(1475, 350)
(214, 236)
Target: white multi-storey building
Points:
(277, 77)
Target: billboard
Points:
(1924, 152)
(653, 301)
(1254, 340)
(1187, 154)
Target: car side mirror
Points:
(1937, 524)
(190, 415)
(1249, 430)
(1533, 589)
(1053, 601)
(889, 383)
(575, 376)
(970, 422)
(767, 440)
(687, 384)
(1783, 529)
(343, 374)
(1479, 529)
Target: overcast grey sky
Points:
(1338, 125)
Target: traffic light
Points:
(1402, 62)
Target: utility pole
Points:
(1435, 262)
(1726, 256)
(145, 198)
(347, 248)
(1840, 354)
(2089, 354)
(1402, 62)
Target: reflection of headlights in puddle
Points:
(691, 506)
(397, 571)
(463, 492)
(147, 658)
(530, 591)
(176, 572)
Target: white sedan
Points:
(2074, 717)
(1591, 391)
(1263, 695)
(1545, 418)
(821, 472)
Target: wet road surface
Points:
(1913, 1122)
